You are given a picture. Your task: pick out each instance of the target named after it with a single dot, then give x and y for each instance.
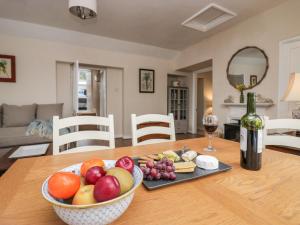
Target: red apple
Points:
(126, 163)
(106, 188)
(93, 174)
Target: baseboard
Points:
(190, 131)
(126, 137)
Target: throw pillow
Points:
(0, 115)
(44, 128)
(18, 116)
(47, 111)
(41, 128)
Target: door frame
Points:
(75, 78)
(197, 101)
(284, 63)
(194, 97)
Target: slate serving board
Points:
(183, 177)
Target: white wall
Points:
(265, 30)
(36, 65)
(64, 84)
(115, 98)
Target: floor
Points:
(3, 151)
(120, 142)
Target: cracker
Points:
(154, 157)
(142, 161)
(189, 170)
(146, 158)
(184, 165)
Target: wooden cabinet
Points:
(178, 105)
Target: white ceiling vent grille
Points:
(209, 17)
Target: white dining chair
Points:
(138, 133)
(62, 139)
(279, 138)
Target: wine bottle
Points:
(251, 142)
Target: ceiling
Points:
(152, 22)
(197, 66)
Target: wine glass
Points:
(210, 123)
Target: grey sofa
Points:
(14, 121)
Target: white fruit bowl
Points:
(94, 214)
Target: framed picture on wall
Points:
(146, 81)
(7, 68)
(253, 80)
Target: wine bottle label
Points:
(259, 141)
(243, 139)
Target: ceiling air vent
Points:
(209, 17)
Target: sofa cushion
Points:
(0, 115)
(15, 136)
(47, 111)
(18, 116)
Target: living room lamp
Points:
(292, 93)
(84, 9)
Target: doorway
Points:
(200, 75)
(92, 90)
(203, 97)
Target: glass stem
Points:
(210, 141)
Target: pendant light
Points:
(84, 9)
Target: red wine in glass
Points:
(210, 129)
(210, 123)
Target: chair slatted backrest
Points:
(156, 133)
(59, 140)
(281, 139)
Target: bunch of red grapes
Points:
(163, 169)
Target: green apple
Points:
(124, 177)
(84, 196)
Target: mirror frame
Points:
(237, 52)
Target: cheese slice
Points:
(184, 165)
(207, 162)
(188, 170)
(189, 156)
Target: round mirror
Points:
(247, 68)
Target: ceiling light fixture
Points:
(84, 9)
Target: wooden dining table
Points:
(270, 196)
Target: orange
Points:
(63, 185)
(90, 163)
